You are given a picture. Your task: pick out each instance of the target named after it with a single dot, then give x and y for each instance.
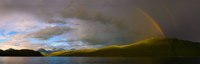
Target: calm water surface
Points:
(96, 60)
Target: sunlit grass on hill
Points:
(60, 53)
(44, 54)
(153, 47)
(74, 52)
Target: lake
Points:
(96, 60)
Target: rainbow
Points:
(69, 4)
(168, 12)
(151, 18)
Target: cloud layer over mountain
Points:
(78, 24)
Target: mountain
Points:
(43, 51)
(60, 49)
(59, 53)
(153, 47)
(50, 51)
(23, 52)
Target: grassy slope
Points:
(60, 53)
(152, 47)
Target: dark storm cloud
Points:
(113, 21)
(186, 15)
(116, 22)
(48, 32)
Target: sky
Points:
(85, 24)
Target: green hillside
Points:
(153, 47)
(60, 53)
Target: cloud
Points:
(22, 22)
(48, 32)
(94, 23)
(96, 27)
(96, 32)
(18, 42)
(69, 40)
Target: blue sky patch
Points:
(61, 25)
(12, 33)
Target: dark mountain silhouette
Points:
(153, 47)
(23, 52)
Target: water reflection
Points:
(96, 60)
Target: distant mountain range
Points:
(50, 51)
(153, 47)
